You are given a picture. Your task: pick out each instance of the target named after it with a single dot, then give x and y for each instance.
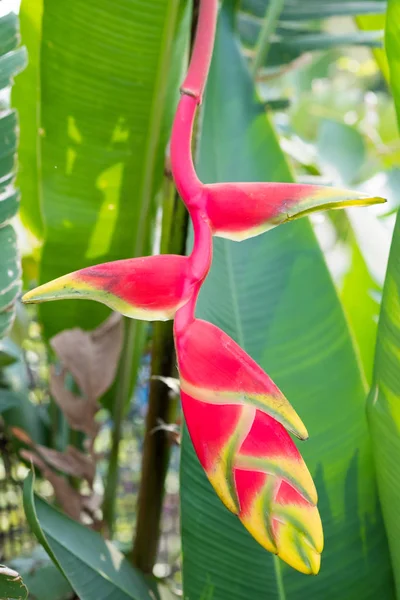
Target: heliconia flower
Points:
(235, 416)
(238, 211)
(215, 369)
(151, 288)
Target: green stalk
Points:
(271, 18)
(156, 448)
(123, 390)
(279, 578)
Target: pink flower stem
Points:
(202, 50)
(190, 188)
(187, 183)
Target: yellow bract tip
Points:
(326, 198)
(60, 288)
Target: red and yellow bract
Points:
(236, 416)
(150, 288)
(238, 211)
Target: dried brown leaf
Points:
(174, 438)
(78, 411)
(91, 357)
(73, 347)
(22, 436)
(67, 497)
(72, 462)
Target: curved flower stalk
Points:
(237, 418)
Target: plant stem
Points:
(156, 448)
(196, 77)
(279, 578)
(123, 390)
(155, 453)
(272, 15)
(187, 183)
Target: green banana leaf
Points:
(359, 295)
(384, 399)
(342, 156)
(273, 294)
(392, 46)
(384, 403)
(103, 82)
(374, 22)
(12, 60)
(107, 78)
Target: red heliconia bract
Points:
(150, 288)
(214, 369)
(236, 416)
(238, 211)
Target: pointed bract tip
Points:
(297, 551)
(301, 432)
(325, 198)
(290, 419)
(57, 289)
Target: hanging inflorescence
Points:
(237, 418)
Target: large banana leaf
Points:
(384, 399)
(384, 404)
(104, 70)
(273, 294)
(12, 60)
(342, 156)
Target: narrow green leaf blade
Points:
(392, 46)
(374, 22)
(384, 398)
(93, 566)
(384, 403)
